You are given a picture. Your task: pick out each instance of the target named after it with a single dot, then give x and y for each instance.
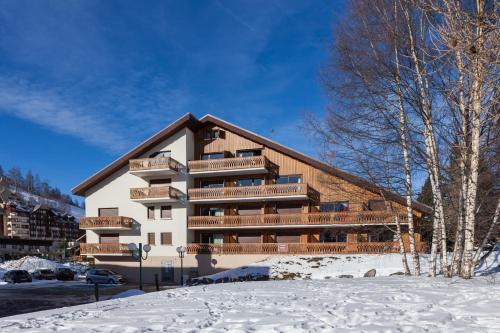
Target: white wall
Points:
(115, 192)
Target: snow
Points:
(320, 266)
(332, 266)
(380, 304)
(128, 293)
(75, 211)
(31, 264)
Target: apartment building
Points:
(231, 197)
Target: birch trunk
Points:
(475, 129)
(464, 145)
(403, 130)
(432, 160)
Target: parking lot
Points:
(44, 295)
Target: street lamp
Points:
(181, 250)
(136, 252)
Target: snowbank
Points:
(333, 266)
(380, 304)
(128, 293)
(31, 263)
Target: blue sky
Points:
(81, 82)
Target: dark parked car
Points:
(17, 276)
(104, 276)
(65, 274)
(44, 274)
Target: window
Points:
(212, 134)
(166, 212)
(284, 208)
(330, 236)
(109, 238)
(249, 238)
(248, 153)
(151, 238)
(376, 205)
(163, 153)
(212, 211)
(151, 213)
(166, 238)
(335, 206)
(249, 182)
(249, 210)
(108, 211)
(160, 182)
(291, 179)
(363, 237)
(287, 237)
(212, 156)
(212, 183)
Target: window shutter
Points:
(166, 238)
(151, 238)
(166, 212)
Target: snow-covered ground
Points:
(334, 266)
(380, 304)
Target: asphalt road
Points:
(26, 297)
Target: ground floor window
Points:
(329, 236)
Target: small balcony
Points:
(153, 167)
(156, 194)
(281, 192)
(294, 220)
(104, 249)
(106, 223)
(231, 166)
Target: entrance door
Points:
(167, 271)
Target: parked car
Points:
(65, 274)
(104, 276)
(44, 274)
(17, 276)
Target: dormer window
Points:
(213, 134)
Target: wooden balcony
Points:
(293, 248)
(150, 167)
(106, 223)
(295, 219)
(104, 249)
(231, 166)
(254, 193)
(156, 194)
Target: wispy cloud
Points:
(47, 108)
(236, 17)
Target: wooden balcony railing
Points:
(342, 218)
(293, 248)
(104, 249)
(154, 163)
(139, 193)
(106, 222)
(262, 191)
(249, 162)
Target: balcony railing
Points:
(166, 193)
(335, 218)
(106, 222)
(293, 248)
(235, 163)
(154, 163)
(104, 249)
(262, 191)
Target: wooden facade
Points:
(300, 224)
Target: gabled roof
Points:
(191, 122)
